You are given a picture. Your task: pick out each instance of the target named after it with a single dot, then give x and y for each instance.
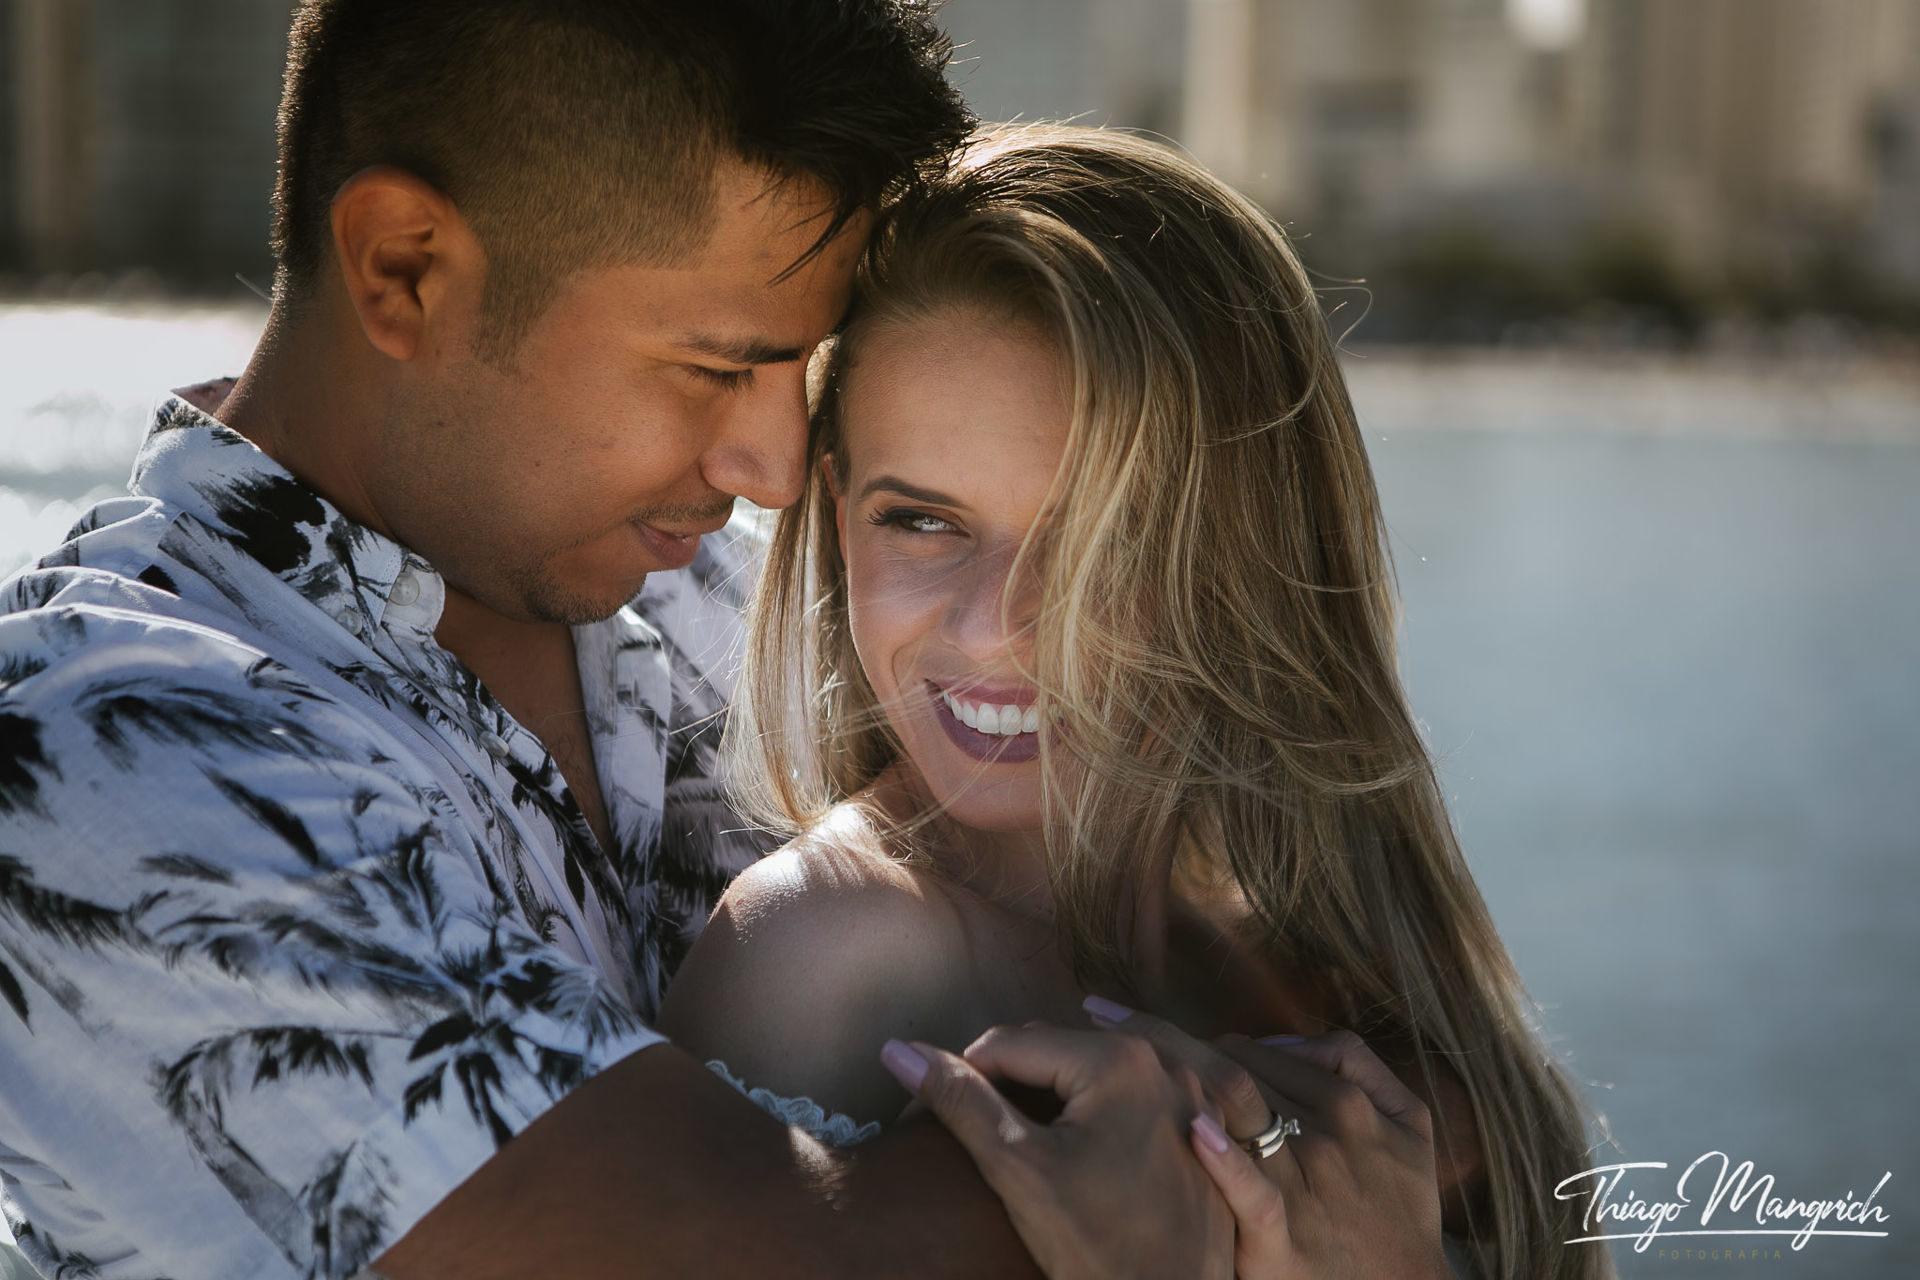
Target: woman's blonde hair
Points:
(1214, 643)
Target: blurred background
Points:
(1631, 291)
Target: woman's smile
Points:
(1002, 716)
(998, 733)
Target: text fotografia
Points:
(1734, 1192)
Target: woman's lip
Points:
(1018, 748)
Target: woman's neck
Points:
(1007, 869)
(1195, 960)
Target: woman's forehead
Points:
(953, 394)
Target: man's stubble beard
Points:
(464, 541)
(544, 598)
(527, 588)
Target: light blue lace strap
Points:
(830, 1127)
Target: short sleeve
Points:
(263, 999)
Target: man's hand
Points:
(1111, 1188)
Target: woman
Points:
(1073, 673)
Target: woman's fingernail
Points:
(906, 1064)
(1210, 1133)
(1105, 1009)
(1281, 1040)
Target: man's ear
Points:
(407, 258)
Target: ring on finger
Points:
(1270, 1139)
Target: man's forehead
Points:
(726, 310)
(779, 220)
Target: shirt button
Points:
(496, 746)
(351, 620)
(406, 589)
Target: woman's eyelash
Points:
(907, 518)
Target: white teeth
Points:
(984, 717)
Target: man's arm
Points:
(656, 1167)
(240, 938)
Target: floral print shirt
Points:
(297, 925)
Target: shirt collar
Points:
(360, 579)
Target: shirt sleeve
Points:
(263, 1000)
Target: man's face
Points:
(634, 410)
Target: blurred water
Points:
(76, 386)
(1663, 624)
(1676, 683)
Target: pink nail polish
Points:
(905, 1063)
(1210, 1133)
(1106, 1010)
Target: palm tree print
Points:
(56, 916)
(278, 869)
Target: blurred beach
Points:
(1654, 492)
(1662, 622)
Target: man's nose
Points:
(760, 451)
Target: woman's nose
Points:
(985, 619)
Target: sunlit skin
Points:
(953, 430)
(954, 426)
(639, 404)
(545, 487)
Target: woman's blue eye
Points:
(910, 520)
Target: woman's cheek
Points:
(895, 606)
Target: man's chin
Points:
(580, 584)
(555, 602)
(537, 594)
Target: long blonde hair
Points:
(1214, 645)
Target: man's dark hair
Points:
(574, 134)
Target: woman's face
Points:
(952, 429)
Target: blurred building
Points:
(9, 180)
(1475, 160)
(138, 135)
(1761, 135)
(1685, 154)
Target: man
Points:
(357, 799)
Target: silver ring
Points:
(1270, 1139)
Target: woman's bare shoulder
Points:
(841, 867)
(816, 955)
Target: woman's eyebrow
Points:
(894, 484)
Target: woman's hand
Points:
(1353, 1194)
(1109, 1188)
